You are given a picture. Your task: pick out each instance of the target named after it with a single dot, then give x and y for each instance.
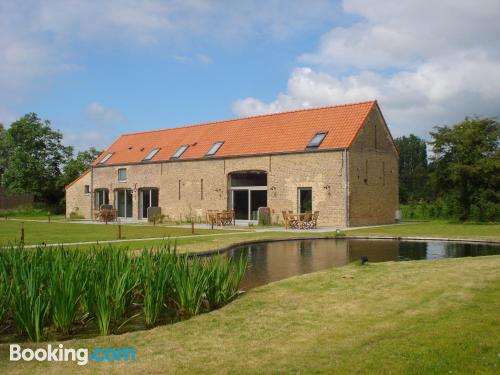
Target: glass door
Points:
(149, 198)
(240, 204)
(305, 200)
(124, 203)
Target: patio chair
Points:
(285, 218)
(306, 221)
(314, 223)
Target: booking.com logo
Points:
(61, 354)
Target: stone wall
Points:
(180, 184)
(373, 175)
(77, 200)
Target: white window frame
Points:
(152, 154)
(126, 172)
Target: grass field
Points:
(423, 229)
(38, 232)
(435, 229)
(419, 317)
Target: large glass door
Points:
(148, 198)
(246, 203)
(123, 203)
(240, 204)
(248, 193)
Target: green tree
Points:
(35, 159)
(466, 166)
(413, 169)
(77, 165)
(3, 152)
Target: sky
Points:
(97, 69)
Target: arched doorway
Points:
(248, 192)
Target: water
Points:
(272, 261)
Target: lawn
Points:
(57, 232)
(36, 232)
(419, 317)
(422, 229)
(434, 229)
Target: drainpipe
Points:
(346, 184)
(91, 192)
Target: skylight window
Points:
(214, 148)
(152, 154)
(179, 152)
(106, 158)
(317, 139)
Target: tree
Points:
(35, 158)
(466, 166)
(3, 152)
(77, 165)
(413, 170)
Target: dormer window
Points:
(179, 152)
(152, 154)
(213, 150)
(106, 158)
(317, 139)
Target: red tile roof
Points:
(272, 133)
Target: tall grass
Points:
(48, 292)
(66, 286)
(224, 280)
(155, 277)
(189, 281)
(112, 280)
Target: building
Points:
(339, 160)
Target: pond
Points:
(272, 261)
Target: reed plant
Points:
(110, 286)
(30, 297)
(155, 273)
(224, 279)
(66, 287)
(189, 281)
(50, 290)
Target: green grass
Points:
(36, 232)
(434, 229)
(419, 317)
(424, 229)
(67, 232)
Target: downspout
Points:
(346, 184)
(91, 192)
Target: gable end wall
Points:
(373, 174)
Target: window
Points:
(86, 189)
(179, 152)
(213, 150)
(305, 200)
(152, 154)
(317, 139)
(106, 158)
(122, 174)
(101, 197)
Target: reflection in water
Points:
(268, 262)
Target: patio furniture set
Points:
(305, 220)
(220, 218)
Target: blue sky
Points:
(100, 68)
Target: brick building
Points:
(339, 160)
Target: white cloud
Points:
(195, 59)
(89, 138)
(425, 68)
(99, 113)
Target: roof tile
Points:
(272, 133)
